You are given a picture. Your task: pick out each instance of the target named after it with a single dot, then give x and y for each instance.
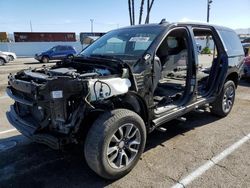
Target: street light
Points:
(208, 9)
(91, 20)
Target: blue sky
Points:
(75, 15)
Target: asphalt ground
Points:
(169, 157)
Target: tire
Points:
(45, 59)
(11, 58)
(2, 61)
(224, 102)
(103, 137)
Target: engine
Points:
(51, 97)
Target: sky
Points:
(75, 15)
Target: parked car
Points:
(246, 40)
(12, 56)
(56, 53)
(128, 83)
(4, 59)
(246, 70)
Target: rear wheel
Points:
(224, 102)
(115, 143)
(11, 58)
(45, 59)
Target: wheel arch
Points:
(3, 60)
(234, 76)
(133, 102)
(130, 101)
(46, 56)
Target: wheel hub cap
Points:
(123, 146)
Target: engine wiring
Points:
(100, 91)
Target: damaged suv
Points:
(126, 84)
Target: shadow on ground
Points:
(245, 82)
(34, 165)
(36, 62)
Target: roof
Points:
(165, 24)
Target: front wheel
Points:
(2, 61)
(45, 59)
(70, 56)
(11, 58)
(115, 143)
(224, 102)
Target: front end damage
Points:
(51, 103)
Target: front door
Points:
(173, 70)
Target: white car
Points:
(12, 56)
(4, 59)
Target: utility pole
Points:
(31, 26)
(208, 9)
(92, 21)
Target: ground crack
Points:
(224, 167)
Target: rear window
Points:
(232, 43)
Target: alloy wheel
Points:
(228, 99)
(123, 146)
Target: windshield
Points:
(125, 44)
(52, 49)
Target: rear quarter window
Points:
(232, 43)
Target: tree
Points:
(149, 7)
(131, 8)
(141, 11)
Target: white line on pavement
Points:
(7, 131)
(4, 97)
(209, 164)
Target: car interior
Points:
(206, 60)
(170, 67)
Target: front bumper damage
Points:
(29, 130)
(42, 117)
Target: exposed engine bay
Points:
(56, 98)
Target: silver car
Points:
(4, 59)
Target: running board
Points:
(182, 119)
(161, 129)
(180, 112)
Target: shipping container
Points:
(44, 37)
(3, 37)
(85, 35)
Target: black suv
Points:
(125, 85)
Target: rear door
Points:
(212, 61)
(61, 52)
